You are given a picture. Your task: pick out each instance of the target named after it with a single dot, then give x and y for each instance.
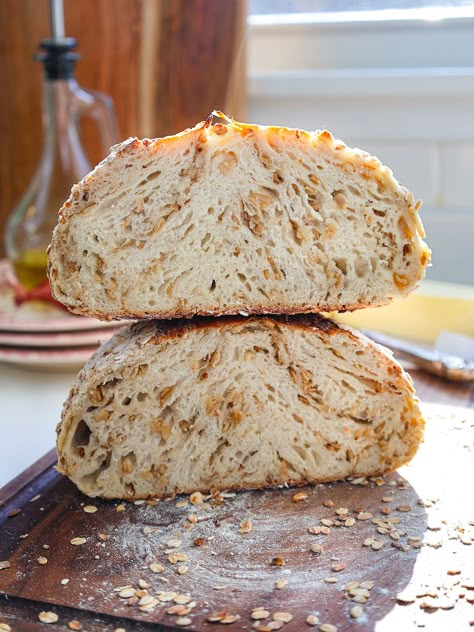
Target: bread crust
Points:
(129, 346)
(72, 286)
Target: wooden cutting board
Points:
(327, 550)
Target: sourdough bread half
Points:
(227, 218)
(235, 403)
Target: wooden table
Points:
(409, 535)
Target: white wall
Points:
(402, 90)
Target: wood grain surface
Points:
(422, 516)
(165, 64)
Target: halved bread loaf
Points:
(233, 403)
(227, 218)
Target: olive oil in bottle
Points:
(63, 160)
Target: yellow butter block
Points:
(433, 307)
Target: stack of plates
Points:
(43, 335)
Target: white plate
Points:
(56, 359)
(38, 316)
(52, 340)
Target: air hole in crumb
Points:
(141, 397)
(82, 435)
(361, 267)
(341, 264)
(126, 401)
(379, 213)
(213, 286)
(153, 176)
(210, 210)
(406, 249)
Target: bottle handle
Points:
(101, 109)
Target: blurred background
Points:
(394, 77)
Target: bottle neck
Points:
(61, 137)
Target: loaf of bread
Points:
(235, 403)
(227, 218)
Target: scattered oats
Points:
(378, 481)
(259, 613)
(150, 604)
(445, 603)
(312, 619)
(351, 586)
(356, 612)
(360, 599)
(74, 625)
(404, 508)
(220, 587)
(338, 567)
(103, 537)
(4, 627)
(48, 617)
(298, 497)
(342, 511)
(382, 530)
(78, 541)
(361, 480)
(145, 600)
(319, 530)
(326, 522)
(174, 558)
(377, 545)
(182, 570)
(245, 526)
(367, 585)
(468, 583)
(359, 592)
(327, 627)
(328, 503)
(32, 500)
(156, 568)
(215, 617)
(23, 536)
(139, 502)
(148, 530)
(429, 604)
(200, 542)
(192, 518)
(42, 560)
(386, 511)
(178, 609)
(364, 515)
(349, 522)
(394, 535)
(286, 617)
(14, 512)
(387, 499)
(143, 584)
(273, 625)
(89, 509)
(196, 499)
(406, 597)
(165, 596)
(183, 621)
(368, 541)
(317, 548)
(454, 571)
(45, 546)
(182, 503)
(174, 544)
(182, 599)
(466, 540)
(278, 561)
(281, 583)
(64, 582)
(127, 592)
(330, 580)
(230, 618)
(4, 565)
(120, 508)
(120, 630)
